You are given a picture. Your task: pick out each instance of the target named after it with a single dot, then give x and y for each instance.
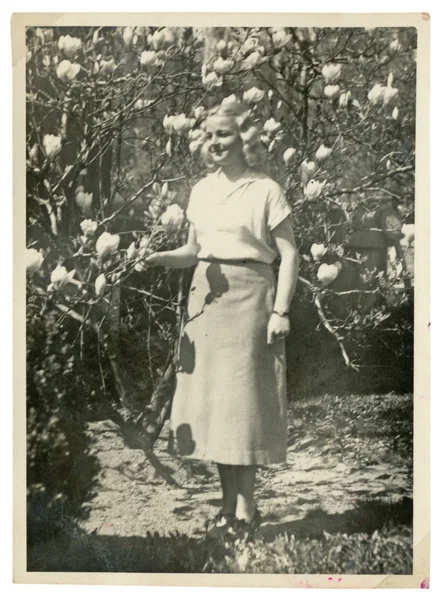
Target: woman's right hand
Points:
(145, 262)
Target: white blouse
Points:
(235, 221)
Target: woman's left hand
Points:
(278, 327)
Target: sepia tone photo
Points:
(220, 253)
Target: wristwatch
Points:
(281, 314)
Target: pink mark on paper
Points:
(108, 525)
(424, 584)
(339, 579)
(425, 16)
(329, 578)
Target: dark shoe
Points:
(220, 525)
(245, 530)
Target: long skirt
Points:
(230, 400)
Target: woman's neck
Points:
(234, 171)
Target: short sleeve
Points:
(277, 206)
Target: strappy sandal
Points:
(221, 524)
(245, 530)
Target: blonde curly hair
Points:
(248, 128)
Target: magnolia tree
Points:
(114, 135)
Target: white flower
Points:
(253, 95)
(168, 147)
(33, 154)
(229, 99)
(408, 230)
(168, 123)
(332, 91)
(182, 124)
(271, 126)
(389, 92)
(67, 71)
(131, 252)
(83, 200)
(52, 145)
(148, 58)
(288, 155)
(221, 46)
(250, 44)
(331, 73)
(254, 59)
(60, 277)
(395, 113)
(34, 260)
(70, 46)
(88, 226)
(47, 60)
(28, 55)
(172, 218)
(322, 153)
(211, 80)
(199, 112)
(307, 170)
(223, 66)
(344, 99)
(327, 273)
(156, 40)
(395, 46)
(314, 189)
(376, 94)
(318, 251)
(155, 208)
(280, 37)
(128, 35)
(107, 244)
(100, 285)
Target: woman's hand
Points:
(146, 261)
(278, 327)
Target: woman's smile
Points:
(224, 142)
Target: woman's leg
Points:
(245, 482)
(229, 488)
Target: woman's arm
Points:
(181, 258)
(287, 278)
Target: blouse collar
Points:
(248, 176)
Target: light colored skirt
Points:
(230, 400)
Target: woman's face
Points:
(223, 141)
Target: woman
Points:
(230, 400)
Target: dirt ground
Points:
(136, 495)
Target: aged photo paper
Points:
(25, 159)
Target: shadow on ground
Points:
(72, 549)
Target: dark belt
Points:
(234, 261)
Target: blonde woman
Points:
(230, 400)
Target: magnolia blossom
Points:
(157, 39)
(182, 124)
(408, 231)
(155, 208)
(100, 285)
(199, 112)
(376, 94)
(131, 252)
(332, 91)
(33, 154)
(168, 147)
(70, 46)
(254, 59)
(314, 189)
(88, 226)
(172, 218)
(221, 46)
(395, 113)
(168, 123)
(322, 153)
(128, 35)
(211, 80)
(331, 73)
(52, 145)
(34, 260)
(253, 95)
(197, 138)
(344, 99)
(271, 126)
(307, 170)
(229, 99)
(28, 55)
(83, 200)
(67, 71)
(107, 65)
(60, 278)
(288, 155)
(107, 244)
(327, 273)
(318, 251)
(395, 46)
(281, 37)
(47, 60)
(148, 58)
(223, 66)
(390, 94)
(250, 44)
